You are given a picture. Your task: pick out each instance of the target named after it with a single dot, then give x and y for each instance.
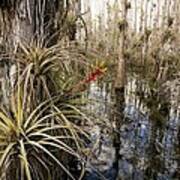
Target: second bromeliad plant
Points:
(40, 130)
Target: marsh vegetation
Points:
(89, 90)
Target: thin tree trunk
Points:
(146, 14)
(146, 37)
(151, 16)
(141, 17)
(164, 16)
(157, 19)
(135, 16)
(120, 77)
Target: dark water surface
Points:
(149, 134)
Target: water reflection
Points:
(149, 134)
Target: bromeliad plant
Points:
(45, 72)
(40, 130)
(32, 142)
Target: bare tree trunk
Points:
(164, 16)
(151, 16)
(23, 22)
(120, 77)
(176, 9)
(157, 18)
(141, 17)
(135, 15)
(146, 36)
(146, 14)
(16, 25)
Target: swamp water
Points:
(149, 134)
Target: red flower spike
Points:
(93, 76)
